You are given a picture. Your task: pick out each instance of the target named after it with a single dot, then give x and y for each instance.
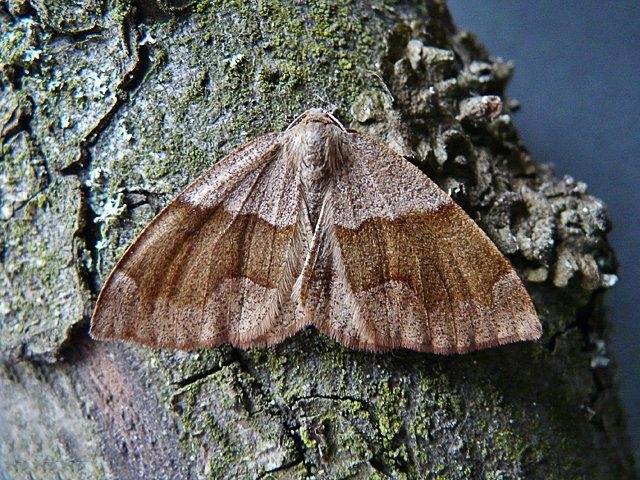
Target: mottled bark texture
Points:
(108, 109)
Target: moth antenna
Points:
(319, 110)
(331, 107)
(336, 121)
(295, 121)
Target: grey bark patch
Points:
(42, 293)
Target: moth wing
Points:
(217, 264)
(402, 265)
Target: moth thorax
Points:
(314, 173)
(315, 148)
(319, 150)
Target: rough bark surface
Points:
(108, 109)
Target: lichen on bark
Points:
(110, 108)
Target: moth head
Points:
(316, 115)
(313, 142)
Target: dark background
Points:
(577, 77)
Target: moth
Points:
(317, 225)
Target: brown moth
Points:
(317, 225)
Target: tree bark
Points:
(108, 109)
